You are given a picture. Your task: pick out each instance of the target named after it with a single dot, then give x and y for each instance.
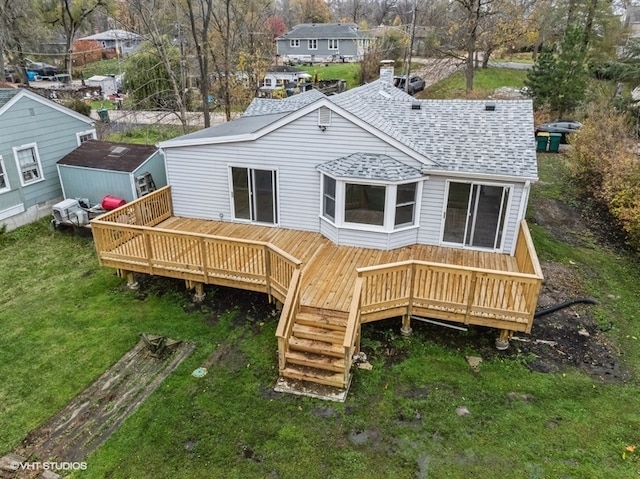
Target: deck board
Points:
(329, 270)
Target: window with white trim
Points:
(294, 43)
(313, 44)
(83, 136)
(333, 44)
(387, 207)
(28, 162)
(364, 204)
(329, 198)
(4, 179)
(405, 205)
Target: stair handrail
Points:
(287, 316)
(353, 327)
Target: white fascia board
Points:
(52, 104)
(480, 176)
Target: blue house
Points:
(34, 134)
(323, 42)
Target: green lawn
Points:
(485, 81)
(339, 71)
(64, 320)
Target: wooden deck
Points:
(327, 291)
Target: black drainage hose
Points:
(566, 304)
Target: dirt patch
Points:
(92, 416)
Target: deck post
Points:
(502, 341)
(131, 280)
(198, 297)
(406, 330)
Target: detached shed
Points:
(107, 83)
(96, 169)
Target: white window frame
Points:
(5, 176)
(508, 186)
(315, 44)
(294, 43)
(333, 198)
(391, 191)
(275, 172)
(80, 134)
(38, 163)
(333, 44)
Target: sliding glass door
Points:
(475, 214)
(254, 195)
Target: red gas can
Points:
(112, 202)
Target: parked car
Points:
(565, 127)
(416, 83)
(42, 69)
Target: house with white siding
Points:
(371, 167)
(347, 209)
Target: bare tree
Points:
(158, 19)
(70, 16)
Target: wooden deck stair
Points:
(315, 350)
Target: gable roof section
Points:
(456, 137)
(106, 155)
(113, 35)
(370, 166)
(10, 96)
(324, 30)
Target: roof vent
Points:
(490, 106)
(416, 106)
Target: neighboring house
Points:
(34, 134)
(99, 168)
(281, 76)
(323, 42)
(114, 43)
(351, 208)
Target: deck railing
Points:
(287, 318)
(498, 299)
(351, 342)
(127, 238)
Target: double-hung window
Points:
(294, 43)
(313, 44)
(333, 44)
(28, 163)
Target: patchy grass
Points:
(485, 81)
(147, 135)
(332, 71)
(103, 67)
(65, 320)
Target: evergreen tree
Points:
(559, 81)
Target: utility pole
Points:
(410, 49)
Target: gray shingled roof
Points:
(266, 106)
(113, 35)
(242, 126)
(370, 166)
(7, 94)
(324, 30)
(452, 135)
